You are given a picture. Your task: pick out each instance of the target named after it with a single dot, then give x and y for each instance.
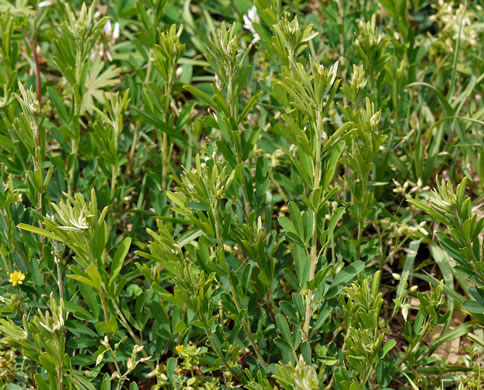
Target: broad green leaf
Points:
(349, 272)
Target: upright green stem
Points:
(245, 194)
(22, 307)
(456, 54)
(132, 150)
(61, 295)
(59, 279)
(75, 139)
(59, 378)
(71, 171)
(104, 305)
(412, 348)
(35, 55)
(114, 180)
(232, 103)
(314, 242)
(164, 156)
(219, 353)
(245, 325)
(126, 325)
(358, 245)
(164, 142)
(38, 162)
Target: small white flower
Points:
(249, 19)
(104, 47)
(43, 4)
(137, 348)
(99, 359)
(108, 27)
(405, 308)
(116, 31)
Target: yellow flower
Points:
(179, 349)
(16, 277)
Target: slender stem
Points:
(272, 304)
(245, 325)
(22, 307)
(232, 102)
(104, 305)
(32, 372)
(71, 171)
(59, 278)
(148, 68)
(358, 246)
(113, 355)
(36, 57)
(38, 163)
(456, 54)
(183, 318)
(164, 145)
(114, 181)
(314, 243)
(244, 190)
(132, 150)
(60, 385)
(411, 348)
(7, 267)
(126, 325)
(164, 156)
(219, 353)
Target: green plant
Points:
(215, 194)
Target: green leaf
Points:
(287, 225)
(83, 279)
(407, 266)
(474, 307)
(39, 231)
(283, 345)
(110, 327)
(302, 265)
(118, 258)
(388, 347)
(283, 327)
(250, 104)
(459, 331)
(349, 272)
(159, 124)
(94, 274)
(205, 97)
(306, 352)
(106, 383)
(291, 278)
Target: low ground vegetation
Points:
(215, 194)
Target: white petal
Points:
(107, 27)
(116, 30)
